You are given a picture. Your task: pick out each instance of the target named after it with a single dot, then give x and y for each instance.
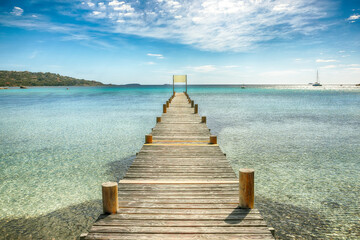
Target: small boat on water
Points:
(317, 83)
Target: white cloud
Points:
(102, 5)
(329, 66)
(354, 69)
(203, 69)
(232, 66)
(354, 17)
(124, 7)
(325, 60)
(159, 56)
(17, 11)
(279, 73)
(116, 3)
(226, 25)
(96, 13)
(150, 63)
(282, 8)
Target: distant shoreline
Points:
(242, 86)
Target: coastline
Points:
(244, 87)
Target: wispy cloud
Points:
(158, 56)
(353, 18)
(17, 11)
(328, 66)
(203, 69)
(325, 60)
(228, 25)
(354, 69)
(34, 54)
(232, 66)
(279, 73)
(72, 32)
(213, 25)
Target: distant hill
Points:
(14, 79)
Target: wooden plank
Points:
(171, 211)
(172, 181)
(139, 204)
(181, 223)
(179, 230)
(147, 217)
(115, 236)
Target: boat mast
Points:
(317, 76)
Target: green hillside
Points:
(14, 78)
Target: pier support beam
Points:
(192, 103)
(196, 109)
(164, 108)
(110, 197)
(148, 138)
(158, 119)
(246, 188)
(213, 139)
(203, 119)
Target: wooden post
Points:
(196, 108)
(110, 197)
(272, 230)
(83, 236)
(213, 139)
(192, 103)
(158, 119)
(246, 188)
(203, 119)
(167, 103)
(164, 108)
(173, 85)
(148, 138)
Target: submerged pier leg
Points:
(110, 197)
(246, 188)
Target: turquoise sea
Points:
(57, 146)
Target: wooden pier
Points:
(180, 186)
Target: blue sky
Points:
(214, 42)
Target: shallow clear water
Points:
(58, 146)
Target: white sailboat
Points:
(317, 83)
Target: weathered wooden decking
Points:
(180, 187)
